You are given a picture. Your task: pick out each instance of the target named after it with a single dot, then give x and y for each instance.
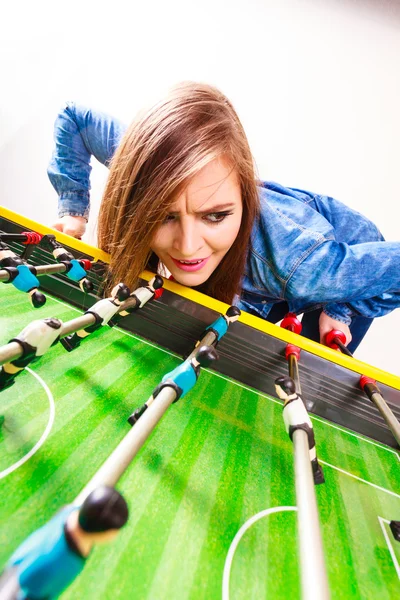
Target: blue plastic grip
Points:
(184, 376)
(220, 326)
(25, 281)
(77, 272)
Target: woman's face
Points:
(202, 224)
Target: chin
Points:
(191, 279)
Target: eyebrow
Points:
(213, 209)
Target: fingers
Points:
(71, 225)
(347, 333)
(326, 324)
(72, 232)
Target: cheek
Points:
(159, 241)
(237, 226)
(227, 235)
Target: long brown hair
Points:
(160, 152)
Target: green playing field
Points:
(218, 458)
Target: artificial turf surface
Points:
(218, 457)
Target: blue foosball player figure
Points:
(21, 275)
(220, 326)
(51, 558)
(182, 379)
(75, 269)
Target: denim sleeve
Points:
(339, 311)
(350, 279)
(378, 306)
(349, 225)
(80, 133)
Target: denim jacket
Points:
(306, 249)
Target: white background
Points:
(316, 84)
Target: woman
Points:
(182, 192)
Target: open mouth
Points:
(190, 265)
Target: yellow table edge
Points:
(333, 356)
(66, 240)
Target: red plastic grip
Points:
(31, 237)
(364, 380)
(158, 293)
(291, 323)
(291, 349)
(332, 335)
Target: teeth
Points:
(191, 262)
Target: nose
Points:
(188, 240)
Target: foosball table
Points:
(177, 400)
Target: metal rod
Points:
(10, 352)
(9, 584)
(291, 323)
(294, 372)
(217, 330)
(343, 348)
(40, 270)
(76, 324)
(116, 464)
(314, 581)
(14, 237)
(49, 269)
(207, 340)
(387, 414)
(370, 388)
(13, 350)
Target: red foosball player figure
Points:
(21, 275)
(51, 558)
(142, 295)
(295, 416)
(102, 311)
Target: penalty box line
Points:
(389, 544)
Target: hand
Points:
(326, 324)
(70, 225)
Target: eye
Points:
(216, 217)
(169, 218)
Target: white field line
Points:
(238, 537)
(389, 544)
(45, 434)
(378, 487)
(313, 418)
